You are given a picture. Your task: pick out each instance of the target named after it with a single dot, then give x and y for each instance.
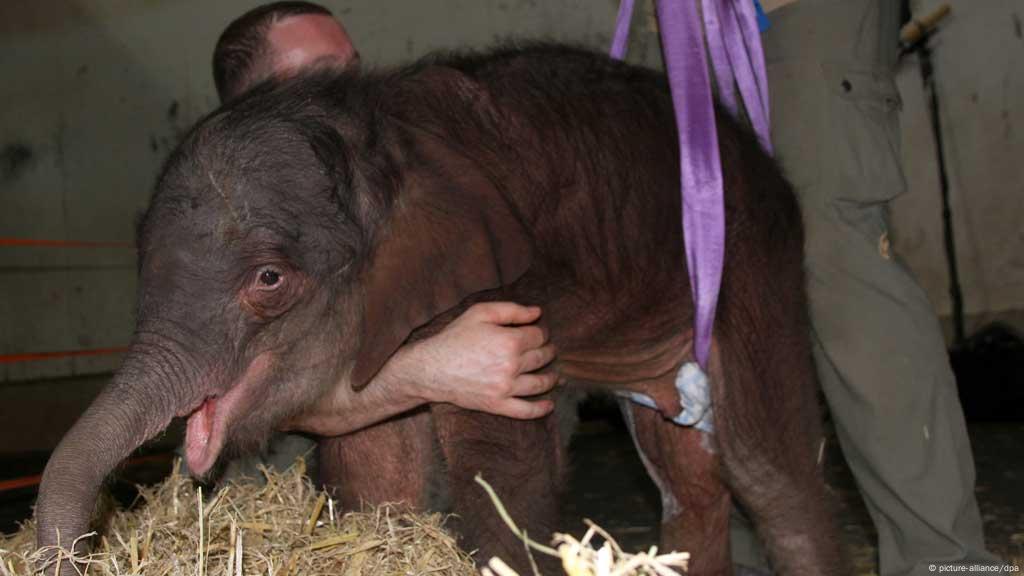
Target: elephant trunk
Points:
(153, 386)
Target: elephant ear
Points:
(452, 234)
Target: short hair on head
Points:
(241, 48)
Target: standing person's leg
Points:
(880, 354)
(894, 403)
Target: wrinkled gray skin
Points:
(299, 235)
(207, 326)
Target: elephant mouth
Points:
(200, 454)
(204, 436)
(208, 424)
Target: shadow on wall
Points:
(34, 16)
(989, 368)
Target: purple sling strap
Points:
(734, 44)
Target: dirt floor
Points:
(610, 487)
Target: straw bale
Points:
(282, 527)
(286, 527)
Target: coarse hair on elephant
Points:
(303, 232)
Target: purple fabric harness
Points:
(734, 44)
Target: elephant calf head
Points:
(248, 258)
(293, 241)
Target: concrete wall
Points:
(95, 93)
(979, 67)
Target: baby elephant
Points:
(300, 235)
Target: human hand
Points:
(486, 360)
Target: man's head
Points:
(277, 39)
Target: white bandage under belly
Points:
(694, 398)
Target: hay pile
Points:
(282, 528)
(286, 527)
(580, 558)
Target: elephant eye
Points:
(269, 279)
(272, 290)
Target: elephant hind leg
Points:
(766, 416)
(695, 500)
(524, 463)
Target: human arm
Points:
(485, 360)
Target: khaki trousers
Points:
(879, 350)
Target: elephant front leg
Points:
(522, 460)
(388, 462)
(695, 501)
